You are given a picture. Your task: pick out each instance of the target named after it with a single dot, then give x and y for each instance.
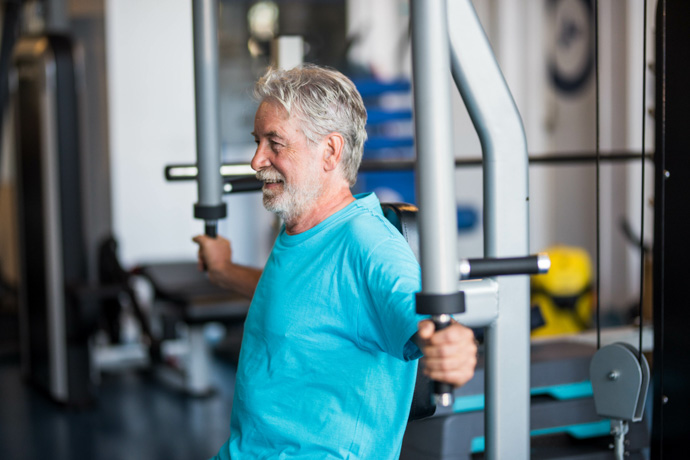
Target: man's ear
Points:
(333, 151)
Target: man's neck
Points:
(324, 207)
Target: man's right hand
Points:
(214, 253)
(215, 256)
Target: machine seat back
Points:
(403, 216)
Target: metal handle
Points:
(211, 228)
(242, 184)
(443, 392)
(482, 268)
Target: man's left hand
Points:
(450, 355)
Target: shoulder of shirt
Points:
(372, 229)
(376, 238)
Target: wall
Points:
(152, 124)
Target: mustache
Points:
(269, 175)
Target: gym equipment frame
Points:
(505, 174)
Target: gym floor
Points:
(135, 417)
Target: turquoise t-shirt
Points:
(325, 369)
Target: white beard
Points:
(292, 201)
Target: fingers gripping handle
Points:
(441, 307)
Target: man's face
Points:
(286, 162)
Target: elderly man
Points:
(327, 366)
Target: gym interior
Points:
(114, 345)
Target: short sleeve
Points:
(388, 320)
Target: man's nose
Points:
(260, 160)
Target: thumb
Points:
(426, 329)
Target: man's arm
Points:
(450, 355)
(215, 256)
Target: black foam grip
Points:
(211, 229)
(480, 268)
(243, 184)
(441, 388)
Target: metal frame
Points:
(671, 226)
(437, 220)
(53, 262)
(210, 205)
(506, 216)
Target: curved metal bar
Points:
(504, 149)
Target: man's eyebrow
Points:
(269, 134)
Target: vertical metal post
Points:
(506, 234)
(198, 365)
(435, 169)
(210, 205)
(433, 138)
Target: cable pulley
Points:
(619, 373)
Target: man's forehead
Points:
(272, 120)
(271, 107)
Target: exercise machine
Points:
(497, 303)
(55, 302)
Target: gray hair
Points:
(324, 101)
